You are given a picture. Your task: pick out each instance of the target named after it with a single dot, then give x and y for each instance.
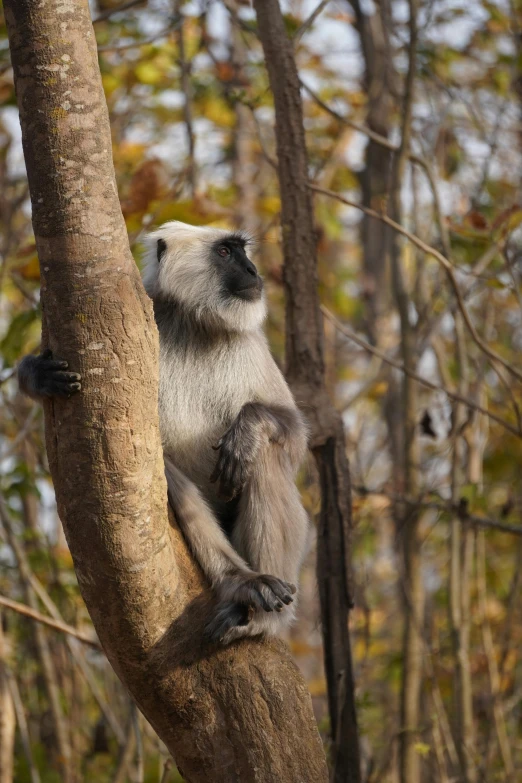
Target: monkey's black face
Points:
(238, 274)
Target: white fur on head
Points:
(186, 275)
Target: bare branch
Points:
(389, 145)
(443, 506)
(26, 611)
(415, 376)
(118, 10)
(445, 263)
(309, 21)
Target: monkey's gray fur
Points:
(232, 435)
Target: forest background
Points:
(412, 111)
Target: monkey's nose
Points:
(250, 268)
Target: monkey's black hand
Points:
(238, 449)
(261, 591)
(228, 616)
(43, 376)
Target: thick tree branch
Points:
(224, 715)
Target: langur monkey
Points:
(232, 435)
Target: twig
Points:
(79, 657)
(447, 507)
(513, 605)
(73, 643)
(22, 726)
(41, 618)
(440, 258)
(47, 660)
(398, 365)
(169, 763)
(135, 44)
(119, 9)
(139, 742)
(489, 649)
(383, 141)
(125, 754)
(309, 21)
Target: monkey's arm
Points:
(256, 425)
(42, 376)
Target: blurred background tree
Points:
(412, 111)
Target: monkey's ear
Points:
(161, 248)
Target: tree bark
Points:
(305, 371)
(225, 715)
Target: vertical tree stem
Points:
(305, 370)
(7, 715)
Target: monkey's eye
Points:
(223, 251)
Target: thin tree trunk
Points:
(125, 755)
(21, 549)
(186, 88)
(7, 716)
(407, 518)
(380, 74)
(305, 371)
(63, 756)
(22, 727)
(243, 165)
(225, 715)
(476, 446)
(489, 649)
(461, 563)
(73, 644)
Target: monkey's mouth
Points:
(250, 293)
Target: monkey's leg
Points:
(271, 534)
(42, 376)
(259, 455)
(239, 588)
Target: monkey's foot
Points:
(48, 377)
(224, 625)
(260, 591)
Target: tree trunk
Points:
(305, 371)
(225, 715)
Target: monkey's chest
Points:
(198, 401)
